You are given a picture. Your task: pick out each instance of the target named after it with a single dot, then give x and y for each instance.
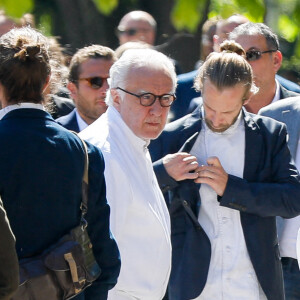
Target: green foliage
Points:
(288, 29)
(253, 10)
(296, 13)
(45, 24)
(106, 7)
(17, 9)
(224, 9)
(187, 14)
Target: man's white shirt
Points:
(139, 217)
(231, 275)
(81, 123)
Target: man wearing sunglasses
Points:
(262, 52)
(137, 26)
(263, 58)
(88, 83)
(141, 92)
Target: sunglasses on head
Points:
(253, 55)
(94, 82)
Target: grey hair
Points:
(136, 59)
(254, 29)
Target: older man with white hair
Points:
(141, 91)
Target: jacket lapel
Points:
(254, 147)
(192, 128)
(291, 118)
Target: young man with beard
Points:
(224, 236)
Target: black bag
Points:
(66, 268)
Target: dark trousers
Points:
(291, 276)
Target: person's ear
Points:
(3, 102)
(248, 96)
(72, 87)
(216, 44)
(246, 101)
(46, 88)
(277, 60)
(116, 99)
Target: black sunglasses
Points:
(94, 82)
(253, 55)
(148, 99)
(129, 32)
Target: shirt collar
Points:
(12, 107)
(81, 123)
(116, 120)
(277, 93)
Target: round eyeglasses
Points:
(148, 99)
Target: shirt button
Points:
(228, 249)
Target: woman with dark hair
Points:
(41, 163)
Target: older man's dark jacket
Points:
(269, 187)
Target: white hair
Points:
(135, 59)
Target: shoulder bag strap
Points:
(85, 180)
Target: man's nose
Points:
(104, 87)
(216, 120)
(141, 36)
(156, 108)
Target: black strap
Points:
(85, 181)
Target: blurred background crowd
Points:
(182, 31)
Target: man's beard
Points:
(219, 129)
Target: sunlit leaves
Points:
(45, 24)
(17, 9)
(253, 8)
(287, 27)
(187, 14)
(106, 7)
(296, 13)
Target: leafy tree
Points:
(82, 22)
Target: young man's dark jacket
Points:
(270, 187)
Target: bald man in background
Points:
(137, 25)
